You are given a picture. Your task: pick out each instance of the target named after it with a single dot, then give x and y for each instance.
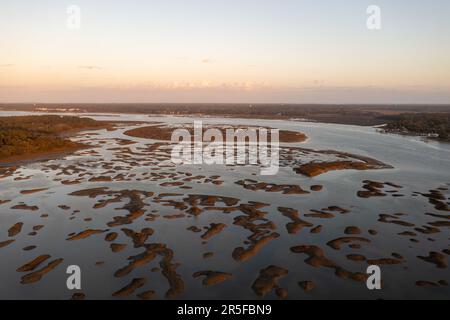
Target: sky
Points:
(224, 51)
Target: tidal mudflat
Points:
(140, 227)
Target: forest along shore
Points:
(363, 115)
(26, 138)
(434, 125)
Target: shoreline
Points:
(149, 132)
(423, 137)
(352, 114)
(20, 160)
(20, 154)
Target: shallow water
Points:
(418, 167)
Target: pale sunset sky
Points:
(257, 51)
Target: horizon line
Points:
(231, 103)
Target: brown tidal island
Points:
(32, 137)
(164, 132)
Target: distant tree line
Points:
(436, 124)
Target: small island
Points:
(164, 132)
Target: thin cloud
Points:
(6, 65)
(90, 67)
